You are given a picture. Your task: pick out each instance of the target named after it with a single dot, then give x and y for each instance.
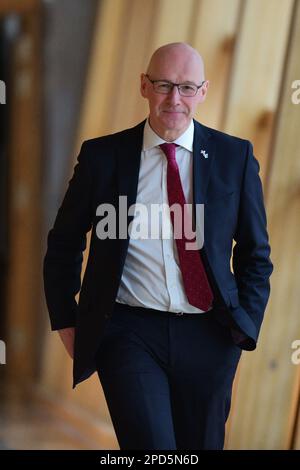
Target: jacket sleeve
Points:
(251, 254)
(66, 243)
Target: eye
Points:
(163, 86)
(187, 88)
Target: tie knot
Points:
(169, 150)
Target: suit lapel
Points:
(129, 158)
(129, 148)
(203, 156)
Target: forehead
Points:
(177, 68)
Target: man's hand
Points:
(67, 336)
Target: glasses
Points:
(165, 87)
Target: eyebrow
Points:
(187, 82)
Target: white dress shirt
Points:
(151, 277)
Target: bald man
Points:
(161, 317)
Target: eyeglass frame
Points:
(175, 84)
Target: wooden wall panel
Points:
(104, 70)
(173, 22)
(126, 105)
(256, 72)
(24, 279)
(268, 390)
(292, 438)
(215, 40)
(295, 435)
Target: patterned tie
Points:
(197, 288)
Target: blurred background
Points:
(69, 71)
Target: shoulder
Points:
(224, 140)
(109, 141)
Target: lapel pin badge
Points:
(205, 154)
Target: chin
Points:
(175, 123)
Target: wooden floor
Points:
(36, 428)
(31, 418)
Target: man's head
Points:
(171, 113)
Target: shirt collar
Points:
(151, 139)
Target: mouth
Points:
(172, 112)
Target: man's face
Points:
(171, 114)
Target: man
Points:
(163, 324)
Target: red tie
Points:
(197, 288)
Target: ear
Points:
(203, 91)
(143, 85)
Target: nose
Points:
(174, 96)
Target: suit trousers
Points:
(167, 378)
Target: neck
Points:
(169, 135)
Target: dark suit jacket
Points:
(227, 182)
